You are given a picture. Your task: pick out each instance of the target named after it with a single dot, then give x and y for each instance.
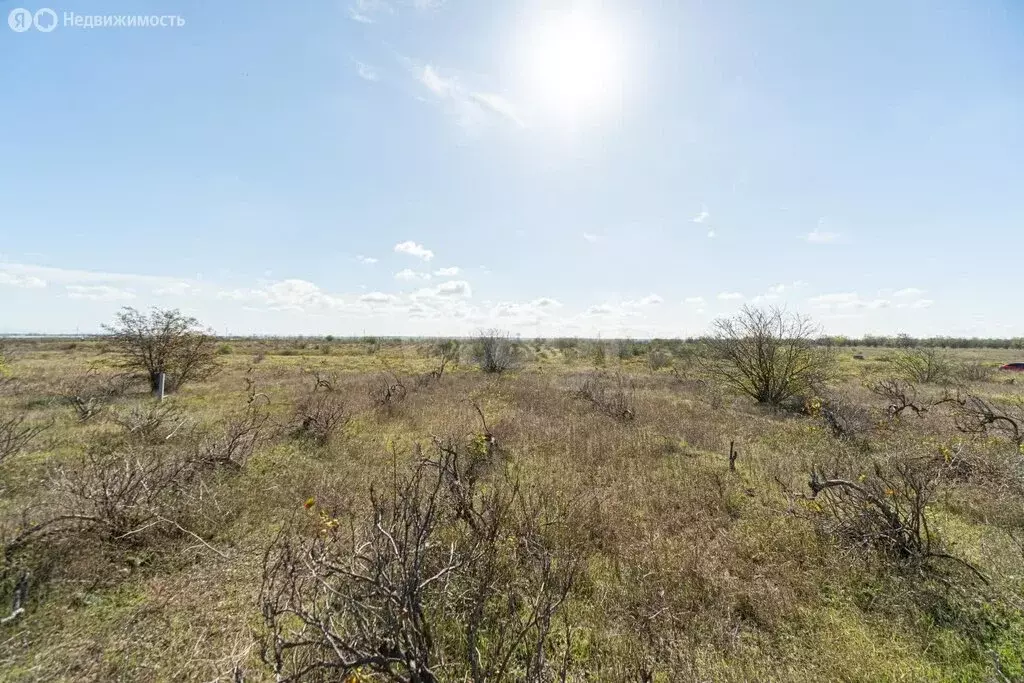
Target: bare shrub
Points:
(845, 419)
(387, 391)
(885, 511)
(923, 365)
(319, 415)
(16, 433)
(901, 395)
(614, 395)
(164, 341)
(235, 443)
(976, 415)
(974, 371)
(443, 580)
(769, 355)
(151, 422)
(658, 359)
(496, 352)
(89, 392)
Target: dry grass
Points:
(687, 571)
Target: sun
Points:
(574, 65)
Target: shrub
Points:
(613, 395)
(89, 392)
(16, 434)
(496, 352)
(387, 391)
(768, 355)
(923, 365)
(319, 416)
(164, 341)
(441, 572)
(657, 359)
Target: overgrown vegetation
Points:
(398, 516)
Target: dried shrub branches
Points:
(443, 580)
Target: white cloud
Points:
(367, 72)
(701, 217)
(447, 272)
(413, 249)
(378, 298)
(603, 309)
(369, 260)
(922, 303)
(24, 281)
(409, 275)
(821, 237)
(363, 11)
(459, 289)
(650, 300)
(694, 300)
(546, 302)
(730, 296)
(909, 291)
(499, 105)
(99, 293)
(592, 238)
(470, 108)
(176, 289)
(712, 234)
(288, 295)
(845, 301)
(777, 289)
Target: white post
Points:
(161, 380)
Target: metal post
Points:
(161, 382)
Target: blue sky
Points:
(577, 168)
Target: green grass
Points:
(693, 572)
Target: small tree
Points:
(164, 341)
(495, 351)
(769, 355)
(923, 365)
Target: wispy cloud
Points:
(701, 217)
(369, 260)
(730, 296)
(23, 281)
(413, 249)
(909, 291)
(378, 298)
(366, 72)
(99, 293)
(408, 275)
(365, 11)
(471, 108)
(451, 289)
(447, 272)
(712, 234)
(822, 237)
(845, 301)
(694, 300)
(592, 238)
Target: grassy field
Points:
(681, 568)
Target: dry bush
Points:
(16, 433)
(164, 341)
(443, 580)
(90, 392)
(923, 365)
(974, 371)
(769, 355)
(885, 510)
(387, 391)
(233, 445)
(496, 352)
(150, 422)
(976, 415)
(900, 395)
(319, 415)
(614, 395)
(846, 419)
(657, 359)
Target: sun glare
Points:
(574, 66)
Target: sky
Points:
(436, 167)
